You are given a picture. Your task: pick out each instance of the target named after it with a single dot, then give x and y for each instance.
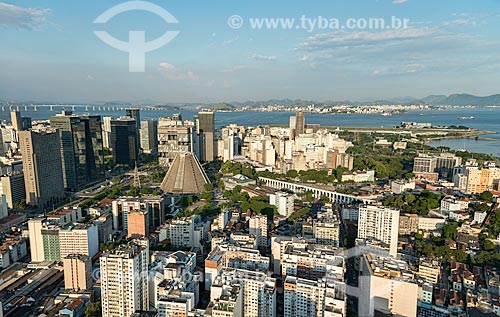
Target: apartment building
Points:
(124, 280)
(379, 224)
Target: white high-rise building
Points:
(308, 298)
(79, 239)
(284, 202)
(258, 291)
(36, 242)
(106, 131)
(379, 224)
(124, 280)
(180, 231)
(258, 228)
(386, 287)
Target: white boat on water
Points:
(466, 118)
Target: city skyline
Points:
(249, 159)
(209, 61)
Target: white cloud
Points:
(89, 78)
(265, 58)
(399, 1)
(400, 70)
(22, 18)
(174, 73)
(230, 41)
(427, 50)
(343, 39)
(304, 58)
(235, 68)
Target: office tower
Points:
(124, 141)
(442, 165)
(94, 154)
(43, 176)
(445, 163)
(293, 122)
(4, 210)
(26, 123)
(77, 272)
(335, 159)
(258, 227)
(379, 224)
(135, 113)
(106, 132)
(149, 136)
(78, 239)
(5, 143)
(35, 226)
(51, 246)
(174, 136)
(185, 176)
(230, 144)
(206, 131)
(300, 123)
(81, 149)
(387, 287)
(13, 187)
(124, 280)
(138, 225)
(16, 120)
(121, 207)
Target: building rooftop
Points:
(127, 251)
(185, 176)
(389, 268)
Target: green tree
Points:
(207, 196)
(145, 191)
(93, 310)
(410, 198)
(292, 174)
(483, 207)
(132, 192)
(486, 196)
(488, 245)
(409, 175)
(450, 230)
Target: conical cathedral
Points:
(185, 176)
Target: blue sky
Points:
(48, 51)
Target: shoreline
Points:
(462, 134)
(475, 137)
